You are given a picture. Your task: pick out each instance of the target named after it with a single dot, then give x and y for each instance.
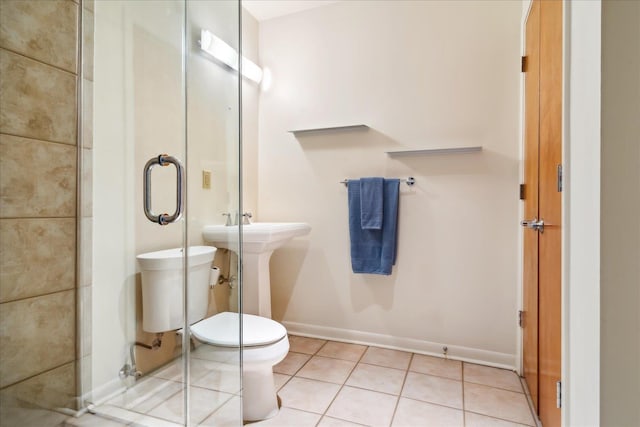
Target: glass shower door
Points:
(151, 98)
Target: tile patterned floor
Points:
(326, 383)
(355, 385)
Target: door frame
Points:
(582, 24)
(519, 362)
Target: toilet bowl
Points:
(264, 344)
(264, 341)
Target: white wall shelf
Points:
(329, 129)
(429, 151)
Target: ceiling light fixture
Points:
(224, 53)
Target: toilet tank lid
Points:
(222, 330)
(172, 258)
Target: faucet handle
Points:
(228, 222)
(246, 218)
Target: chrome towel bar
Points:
(409, 181)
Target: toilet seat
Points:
(222, 330)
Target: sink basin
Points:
(259, 240)
(257, 237)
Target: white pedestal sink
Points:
(259, 240)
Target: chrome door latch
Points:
(534, 224)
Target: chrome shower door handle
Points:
(534, 224)
(163, 160)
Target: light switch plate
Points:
(206, 179)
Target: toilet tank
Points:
(162, 280)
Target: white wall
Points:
(619, 225)
(420, 74)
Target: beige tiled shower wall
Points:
(38, 205)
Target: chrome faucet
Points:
(246, 218)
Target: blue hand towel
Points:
(374, 251)
(371, 200)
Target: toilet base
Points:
(259, 397)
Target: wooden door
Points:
(550, 210)
(542, 247)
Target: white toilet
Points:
(265, 341)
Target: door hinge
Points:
(520, 316)
(523, 64)
(522, 193)
(559, 394)
(560, 183)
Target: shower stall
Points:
(145, 91)
(155, 91)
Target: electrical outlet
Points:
(206, 179)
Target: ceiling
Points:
(268, 9)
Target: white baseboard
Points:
(105, 392)
(465, 354)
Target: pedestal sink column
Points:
(259, 242)
(256, 293)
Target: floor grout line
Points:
(494, 387)
(438, 376)
(501, 419)
(284, 383)
(216, 409)
(404, 381)
(342, 386)
(527, 394)
(431, 403)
